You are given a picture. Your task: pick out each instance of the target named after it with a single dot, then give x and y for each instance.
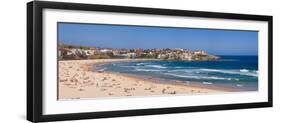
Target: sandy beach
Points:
(78, 80)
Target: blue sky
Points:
(217, 42)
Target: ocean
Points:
(234, 72)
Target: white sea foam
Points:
(240, 72)
(250, 74)
(185, 70)
(156, 66)
(219, 71)
(138, 64)
(197, 77)
(236, 79)
(244, 70)
(147, 70)
(207, 83)
(239, 85)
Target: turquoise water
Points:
(237, 72)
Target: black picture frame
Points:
(35, 69)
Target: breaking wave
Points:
(198, 77)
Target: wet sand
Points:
(79, 80)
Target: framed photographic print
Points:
(95, 61)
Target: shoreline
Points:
(180, 83)
(78, 80)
